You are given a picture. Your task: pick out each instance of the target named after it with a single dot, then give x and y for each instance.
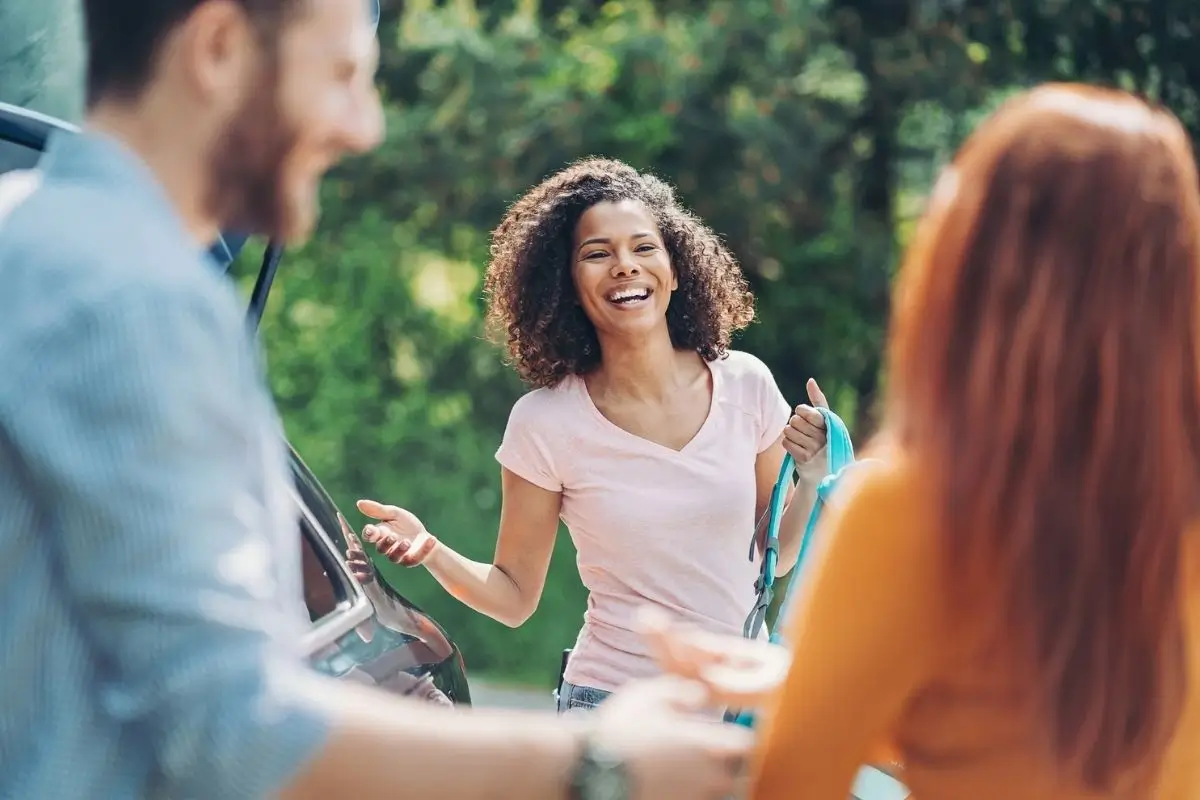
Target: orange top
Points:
(873, 670)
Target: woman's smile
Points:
(629, 296)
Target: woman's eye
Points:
(646, 248)
(592, 256)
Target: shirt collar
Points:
(96, 158)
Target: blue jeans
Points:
(578, 698)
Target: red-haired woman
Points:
(1009, 598)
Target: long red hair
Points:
(1043, 367)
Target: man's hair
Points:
(125, 38)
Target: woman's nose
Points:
(624, 267)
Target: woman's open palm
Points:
(399, 535)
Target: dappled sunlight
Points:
(447, 288)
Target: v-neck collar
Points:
(695, 441)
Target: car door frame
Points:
(354, 606)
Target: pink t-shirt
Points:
(651, 525)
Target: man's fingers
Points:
(672, 659)
(693, 652)
(377, 510)
(678, 694)
(657, 627)
(679, 650)
(815, 394)
(730, 743)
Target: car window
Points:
(323, 591)
(17, 156)
(319, 504)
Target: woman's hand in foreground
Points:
(399, 535)
(737, 672)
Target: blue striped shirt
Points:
(149, 566)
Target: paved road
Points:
(491, 695)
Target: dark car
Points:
(366, 633)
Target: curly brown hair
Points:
(531, 292)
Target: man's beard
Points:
(247, 192)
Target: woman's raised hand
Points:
(804, 436)
(398, 535)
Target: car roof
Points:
(31, 129)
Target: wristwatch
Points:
(598, 775)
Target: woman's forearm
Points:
(791, 527)
(484, 587)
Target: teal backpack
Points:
(871, 784)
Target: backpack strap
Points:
(839, 452)
(764, 585)
(841, 458)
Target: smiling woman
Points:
(569, 221)
(654, 442)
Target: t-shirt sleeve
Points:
(525, 449)
(773, 408)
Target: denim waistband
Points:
(579, 698)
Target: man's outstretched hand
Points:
(736, 672)
(670, 748)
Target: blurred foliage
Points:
(804, 131)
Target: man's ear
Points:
(216, 48)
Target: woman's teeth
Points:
(628, 297)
